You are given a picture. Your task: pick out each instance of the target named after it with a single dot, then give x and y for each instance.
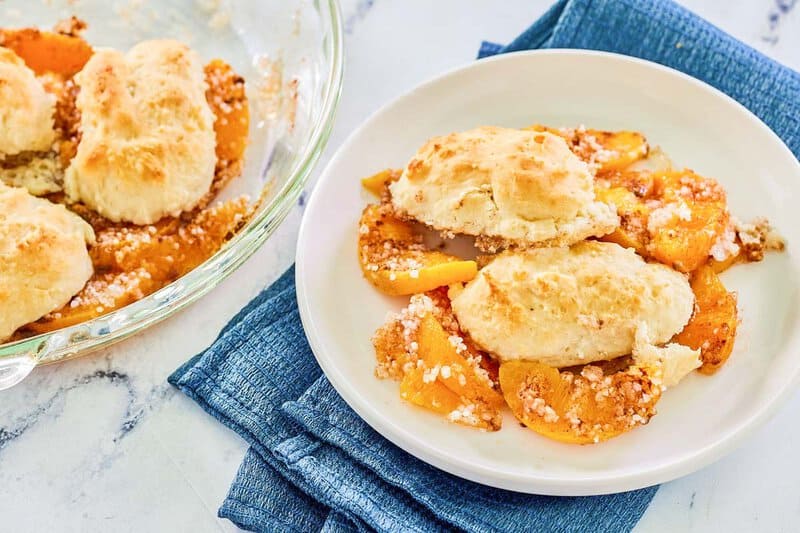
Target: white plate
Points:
(699, 127)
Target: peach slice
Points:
(632, 231)
(431, 395)
(605, 151)
(456, 367)
(685, 243)
(695, 215)
(122, 288)
(579, 408)
(377, 183)
(674, 217)
(45, 51)
(437, 367)
(227, 99)
(394, 259)
(617, 149)
(712, 328)
(449, 380)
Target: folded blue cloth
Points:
(313, 464)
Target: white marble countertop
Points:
(105, 444)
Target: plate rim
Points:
(598, 483)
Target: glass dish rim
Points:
(19, 357)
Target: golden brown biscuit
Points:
(26, 110)
(43, 257)
(568, 306)
(147, 146)
(520, 187)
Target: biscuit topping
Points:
(570, 306)
(43, 257)
(26, 110)
(147, 146)
(510, 187)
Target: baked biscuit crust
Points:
(43, 257)
(511, 187)
(571, 306)
(147, 146)
(26, 110)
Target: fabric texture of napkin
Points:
(314, 465)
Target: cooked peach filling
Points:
(580, 408)
(603, 151)
(712, 328)
(394, 259)
(674, 217)
(438, 368)
(130, 261)
(667, 215)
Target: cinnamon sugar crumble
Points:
(757, 237)
(587, 147)
(725, 246)
(380, 253)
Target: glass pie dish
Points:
(290, 54)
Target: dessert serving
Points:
(594, 287)
(110, 163)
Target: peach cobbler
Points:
(109, 164)
(595, 287)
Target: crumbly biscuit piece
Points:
(43, 257)
(40, 174)
(517, 187)
(26, 110)
(675, 360)
(147, 145)
(570, 306)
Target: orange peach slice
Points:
(632, 231)
(674, 217)
(394, 259)
(712, 328)
(377, 183)
(45, 51)
(227, 99)
(431, 395)
(695, 216)
(455, 366)
(136, 283)
(605, 151)
(617, 149)
(579, 408)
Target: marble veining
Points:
(103, 443)
(779, 11)
(356, 14)
(137, 406)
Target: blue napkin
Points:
(313, 464)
